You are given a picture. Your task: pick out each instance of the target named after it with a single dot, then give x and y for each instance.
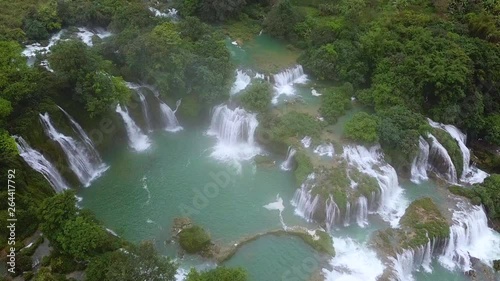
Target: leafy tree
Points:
(257, 97)
(362, 127)
(194, 239)
(335, 102)
(218, 274)
(44, 274)
(217, 10)
(55, 211)
(282, 19)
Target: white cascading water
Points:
(362, 211)
(306, 141)
(86, 34)
(332, 213)
(171, 123)
(353, 262)
(144, 103)
(347, 216)
(177, 104)
(242, 81)
(420, 163)
(77, 153)
(284, 81)
(288, 163)
(392, 201)
(470, 236)
(234, 129)
(304, 202)
(171, 13)
(325, 150)
(410, 260)
(137, 140)
(40, 164)
(438, 151)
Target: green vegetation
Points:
(194, 239)
(304, 166)
(452, 147)
(362, 128)
(257, 97)
(322, 244)
(220, 273)
(294, 124)
(335, 102)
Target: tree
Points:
(216, 10)
(55, 211)
(218, 274)
(335, 102)
(44, 274)
(363, 128)
(493, 129)
(281, 21)
(257, 97)
(194, 239)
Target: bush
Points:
(194, 239)
(218, 274)
(363, 128)
(257, 98)
(304, 167)
(335, 102)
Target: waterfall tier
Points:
(234, 129)
(288, 163)
(144, 104)
(284, 81)
(81, 156)
(440, 161)
(325, 150)
(137, 140)
(40, 164)
(419, 164)
(171, 123)
(241, 82)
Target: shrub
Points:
(257, 97)
(194, 239)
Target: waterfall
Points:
(177, 104)
(84, 137)
(362, 211)
(412, 260)
(325, 150)
(438, 155)
(242, 81)
(304, 202)
(137, 140)
(306, 141)
(392, 202)
(77, 153)
(283, 81)
(40, 164)
(332, 213)
(347, 218)
(470, 174)
(420, 163)
(470, 236)
(172, 125)
(144, 104)
(353, 262)
(86, 35)
(287, 164)
(234, 129)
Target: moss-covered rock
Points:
(303, 166)
(320, 241)
(452, 147)
(194, 239)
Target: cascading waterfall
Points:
(177, 104)
(40, 164)
(304, 202)
(172, 125)
(283, 81)
(287, 164)
(86, 35)
(469, 174)
(392, 202)
(137, 140)
(306, 141)
(439, 154)
(325, 150)
(332, 213)
(412, 260)
(234, 129)
(347, 217)
(362, 211)
(420, 163)
(242, 81)
(470, 236)
(85, 138)
(144, 104)
(78, 155)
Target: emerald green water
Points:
(141, 194)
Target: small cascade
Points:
(470, 174)
(283, 81)
(420, 163)
(137, 140)
(171, 13)
(332, 213)
(172, 125)
(304, 202)
(470, 236)
(315, 93)
(353, 262)
(40, 164)
(31, 50)
(86, 35)
(234, 129)
(177, 104)
(79, 156)
(287, 165)
(144, 104)
(392, 204)
(440, 161)
(347, 217)
(242, 81)
(412, 260)
(306, 141)
(325, 150)
(362, 211)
